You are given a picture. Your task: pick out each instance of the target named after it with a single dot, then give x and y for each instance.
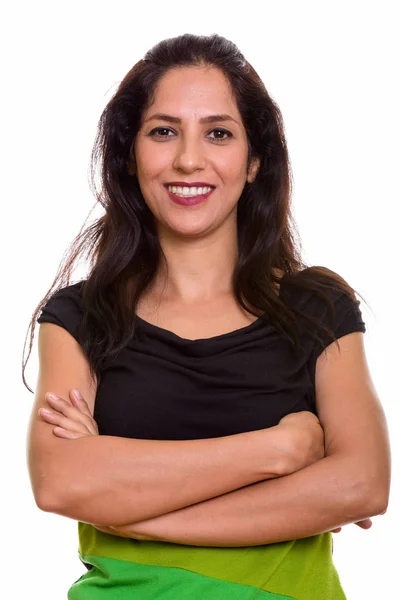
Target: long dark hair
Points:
(122, 244)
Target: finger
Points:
(64, 433)
(76, 422)
(72, 412)
(56, 418)
(103, 528)
(79, 401)
(364, 524)
(120, 531)
(336, 530)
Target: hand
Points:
(126, 531)
(111, 530)
(302, 439)
(364, 524)
(72, 419)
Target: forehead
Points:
(194, 91)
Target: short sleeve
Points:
(64, 308)
(347, 319)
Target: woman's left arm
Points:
(349, 484)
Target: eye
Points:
(156, 133)
(157, 129)
(220, 139)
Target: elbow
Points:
(50, 489)
(42, 490)
(372, 499)
(57, 498)
(366, 486)
(45, 499)
(379, 504)
(50, 494)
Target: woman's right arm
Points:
(114, 480)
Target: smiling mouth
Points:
(189, 191)
(190, 199)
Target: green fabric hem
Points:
(126, 580)
(300, 569)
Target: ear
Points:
(253, 169)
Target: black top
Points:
(165, 387)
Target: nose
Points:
(190, 155)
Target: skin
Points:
(216, 153)
(72, 419)
(199, 242)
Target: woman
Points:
(223, 430)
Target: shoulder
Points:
(328, 300)
(64, 308)
(73, 291)
(70, 294)
(319, 287)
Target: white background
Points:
(332, 68)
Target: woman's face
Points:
(191, 151)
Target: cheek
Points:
(152, 162)
(232, 167)
(146, 156)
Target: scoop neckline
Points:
(175, 336)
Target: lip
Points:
(190, 201)
(189, 184)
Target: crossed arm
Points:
(276, 510)
(349, 485)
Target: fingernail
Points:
(52, 396)
(77, 394)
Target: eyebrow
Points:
(209, 119)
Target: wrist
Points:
(272, 452)
(281, 451)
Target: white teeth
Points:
(187, 191)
